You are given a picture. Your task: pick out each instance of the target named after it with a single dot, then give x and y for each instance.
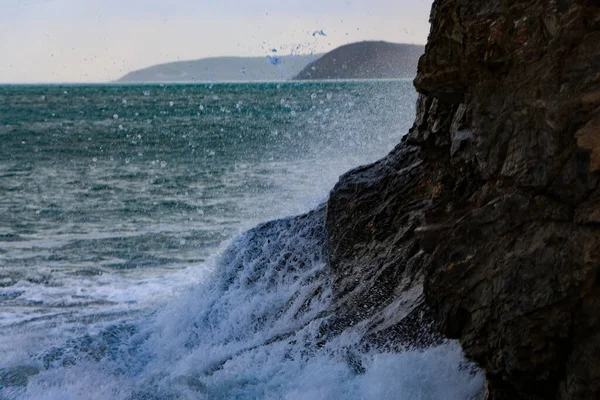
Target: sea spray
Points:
(252, 330)
(94, 229)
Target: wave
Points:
(256, 328)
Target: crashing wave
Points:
(259, 327)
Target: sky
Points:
(101, 40)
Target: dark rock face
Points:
(376, 262)
(365, 60)
(492, 201)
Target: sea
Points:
(130, 265)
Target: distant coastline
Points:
(362, 60)
(223, 69)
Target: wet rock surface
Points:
(376, 261)
(485, 219)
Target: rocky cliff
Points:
(486, 217)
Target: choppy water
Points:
(117, 200)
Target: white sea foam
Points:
(252, 329)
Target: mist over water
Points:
(124, 269)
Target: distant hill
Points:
(271, 68)
(365, 60)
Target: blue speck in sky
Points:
(320, 33)
(274, 50)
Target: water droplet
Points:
(201, 107)
(274, 60)
(124, 102)
(329, 96)
(163, 164)
(313, 96)
(116, 116)
(171, 104)
(94, 159)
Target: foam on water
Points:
(252, 328)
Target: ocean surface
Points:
(128, 267)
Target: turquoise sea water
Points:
(117, 201)
(106, 191)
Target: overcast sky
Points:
(101, 40)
